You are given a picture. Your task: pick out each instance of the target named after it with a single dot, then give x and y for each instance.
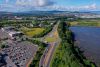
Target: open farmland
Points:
(95, 23)
(31, 31)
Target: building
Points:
(12, 33)
(7, 29)
(15, 34)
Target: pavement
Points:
(19, 53)
(49, 55)
(3, 35)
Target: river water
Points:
(88, 39)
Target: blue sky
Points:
(29, 5)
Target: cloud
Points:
(35, 3)
(75, 8)
(15, 8)
(30, 5)
(6, 1)
(22, 5)
(92, 6)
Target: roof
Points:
(13, 32)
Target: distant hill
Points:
(32, 13)
(41, 13)
(96, 12)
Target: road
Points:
(49, 58)
(49, 51)
(42, 39)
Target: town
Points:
(16, 48)
(49, 33)
(32, 42)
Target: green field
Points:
(50, 39)
(90, 22)
(32, 31)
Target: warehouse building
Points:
(12, 33)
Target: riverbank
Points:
(88, 40)
(67, 55)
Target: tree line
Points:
(67, 55)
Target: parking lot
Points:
(19, 53)
(3, 35)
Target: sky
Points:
(48, 5)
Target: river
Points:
(88, 39)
